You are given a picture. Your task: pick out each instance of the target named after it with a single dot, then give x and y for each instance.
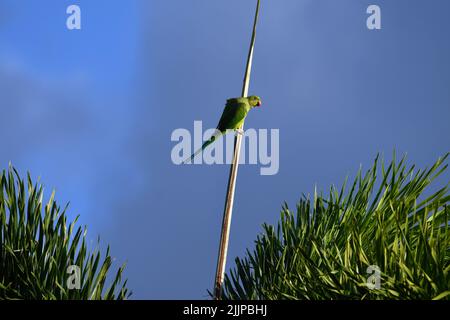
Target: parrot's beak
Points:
(259, 103)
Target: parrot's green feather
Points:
(232, 118)
(207, 143)
(233, 115)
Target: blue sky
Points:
(91, 113)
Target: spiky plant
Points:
(41, 255)
(382, 239)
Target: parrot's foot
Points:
(240, 131)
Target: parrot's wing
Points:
(232, 116)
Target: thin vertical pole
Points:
(226, 222)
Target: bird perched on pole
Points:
(233, 116)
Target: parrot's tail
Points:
(207, 143)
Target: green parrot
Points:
(232, 118)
